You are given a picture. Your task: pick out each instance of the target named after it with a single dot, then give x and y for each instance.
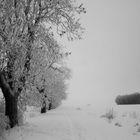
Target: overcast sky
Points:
(106, 62)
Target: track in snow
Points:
(66, 123)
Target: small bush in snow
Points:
(110, 115)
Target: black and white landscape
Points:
(70, 70)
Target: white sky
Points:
(106, 62)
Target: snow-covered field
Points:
(80, 123)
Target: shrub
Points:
(109, 115)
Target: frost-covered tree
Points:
(46, 67)
(55, 87)
(21, 22)
(45, 77)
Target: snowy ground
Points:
(79, 123)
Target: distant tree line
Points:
(133, 98)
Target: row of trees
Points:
(29, 52)
(128, 99)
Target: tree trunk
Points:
(50, 106)
(11, 110)
(10, 101)
(44, 107)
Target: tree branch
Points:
(55, 68)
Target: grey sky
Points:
(107, 61)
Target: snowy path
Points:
(69, 124)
